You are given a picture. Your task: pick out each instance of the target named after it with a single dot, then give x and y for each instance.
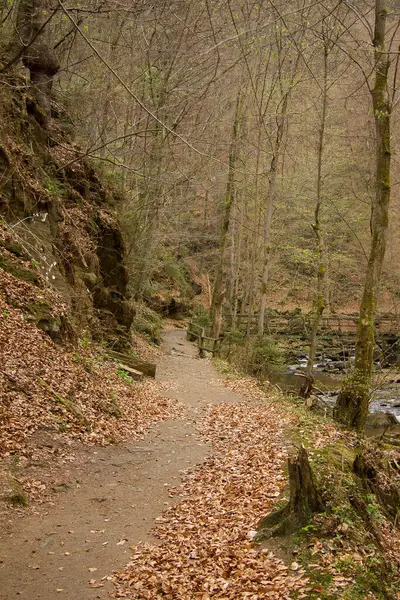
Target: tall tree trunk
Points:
(353, 402)
(233, 274)
(281, 120)
(276, 153)
(218, 290)
(151, 197)
(319, 303)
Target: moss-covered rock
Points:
(62, 216)
(15, 268)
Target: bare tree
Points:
(353, 400)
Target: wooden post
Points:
(201, 344)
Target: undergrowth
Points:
(257, 356)
(148, 323)
(351, 550)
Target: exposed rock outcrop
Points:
(59, 227)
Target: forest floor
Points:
(109, 497)
(181, 505)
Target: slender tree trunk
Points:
(276, 153)
(281, 120)
(218, 290)
(232, 276)
(353, 402)
(252, 245)
(238, 271)
(152, 199)
(152, 190)
(319, 303)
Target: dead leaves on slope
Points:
(45, 387)
(205, 550)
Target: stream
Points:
(329, 374)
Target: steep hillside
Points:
(59, 226)
(64, 302)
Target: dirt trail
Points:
(119, 493)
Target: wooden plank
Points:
(201, 344)
(136, 375)
(142, 366)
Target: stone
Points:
(381, 420)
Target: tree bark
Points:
(353, 401)
(218, 290)
(319, 301)
(304, 500)
(281, 120)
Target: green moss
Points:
(18, 498)
(17, 270)
(55, 187)
(13, 247)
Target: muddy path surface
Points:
(67, 549)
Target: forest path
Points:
(120, 491)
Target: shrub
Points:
(201, 316)
(263, 354)
(148, 323)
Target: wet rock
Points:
(381, 420)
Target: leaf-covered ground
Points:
(62, 394)
(205, 548)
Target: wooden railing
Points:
(294, 325)
(300, 323)
(204, 342)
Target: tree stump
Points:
(307, 386)
(304, 500)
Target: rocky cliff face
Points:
(59, 229)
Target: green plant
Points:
(124, 375)
(18, 498)
(54, 186)
(223, 366)
(85, 342)
(235, 336)
(201, 316)
(62, 427)
(148, 323)
(373, 507)
(264, 353)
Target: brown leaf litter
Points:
(61, 393)
(205, 548)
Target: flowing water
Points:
(329, 375)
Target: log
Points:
(144, 367)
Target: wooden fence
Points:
(205, 343)
(295, 325)
(300, 324)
